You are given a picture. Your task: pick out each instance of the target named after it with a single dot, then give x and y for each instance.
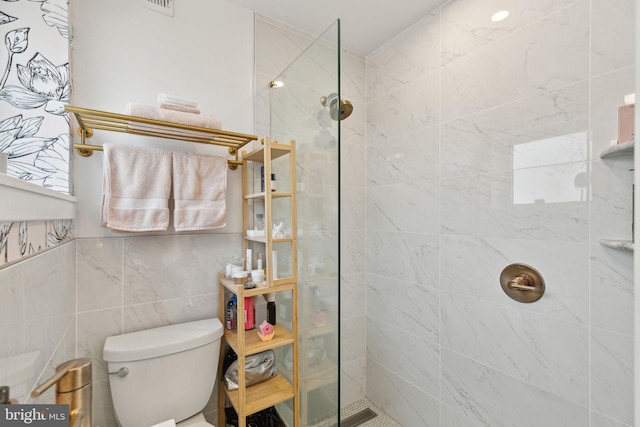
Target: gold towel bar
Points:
(89, 120)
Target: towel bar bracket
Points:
(233, 164)
(84, 134)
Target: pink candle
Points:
(266, 328)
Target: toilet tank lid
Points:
(161, 341)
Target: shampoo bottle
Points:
(271, 308)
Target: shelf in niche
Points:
(625, 245)
(619, 150)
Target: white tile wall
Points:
(38, 298)
(488, 159)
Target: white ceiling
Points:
(364, 24)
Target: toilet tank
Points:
(170, 371)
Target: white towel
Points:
(180, 108)
(163, 98)
(135, 188)
(180, 117)
(200, 191)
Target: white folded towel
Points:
(135, 188)
(163, 98)
(200, 191)
(180, 108)
(163, 114)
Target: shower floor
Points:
(381, 420)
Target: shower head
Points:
(338, 109)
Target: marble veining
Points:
(408, 306)
(611, 47)
(409, 108)
(405, 59)
(416, 408)
(612, 289)
(466, 27)
(548, 353)
(547, 129)
(494, 399)
(411, 207)
(411, 257)
(404, 159)
(612, 375)
(419, 367)
(543, 56)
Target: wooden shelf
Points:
(274, 195)
(619, 150)
(278, 285)
(253, 344)
(625, 245)
(262, 395)
(277, 150)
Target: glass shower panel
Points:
(299, 111)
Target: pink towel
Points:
(135, 188)
(200, 191)
(180, 117)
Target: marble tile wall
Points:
(482, 150)
(38, 318)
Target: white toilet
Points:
(164, 373)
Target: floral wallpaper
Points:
(21, 239)
(34, 88)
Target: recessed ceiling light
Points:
(500, 15)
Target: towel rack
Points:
(89, 120)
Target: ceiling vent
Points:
(163, 6)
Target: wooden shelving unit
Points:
(285, 386)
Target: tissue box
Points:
(625, 123)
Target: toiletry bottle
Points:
(248, 260)
(273, 182)
(271, 308)
(249, 313)
(259, 263)
(230, 313)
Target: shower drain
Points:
(358, 418)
